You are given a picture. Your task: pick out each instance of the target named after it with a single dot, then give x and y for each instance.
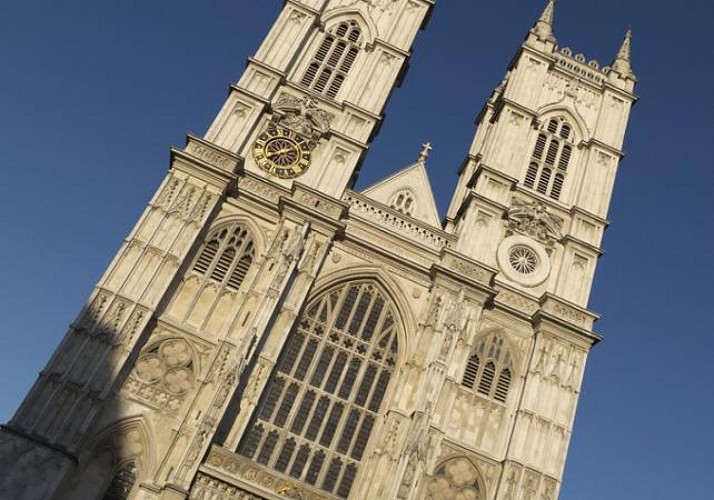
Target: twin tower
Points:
(267, 332)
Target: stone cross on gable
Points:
(426, 149)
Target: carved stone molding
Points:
(243, 469)
(465, 267)
(394, 222)
(533, 220)
(207, 488)
(302, 115)
(212, 154)
(517, 301)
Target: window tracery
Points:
(551, 157)
(457, 478)
(226, 256)
(333, 59)
(323, 399)
(489, 370)
(403, 202)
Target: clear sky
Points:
(93, 94)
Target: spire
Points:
(544, 27)
(426, 149)
(623, 61)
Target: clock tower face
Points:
(282, 153)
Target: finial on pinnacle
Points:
(426, 149)
(544, 26)
(623, 61)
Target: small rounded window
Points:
(523, 260)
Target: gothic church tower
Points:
(266, 331)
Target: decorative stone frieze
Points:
(242, 469)
(212, 154)
(396, 222)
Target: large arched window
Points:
(333, 59)
(226, 256)
(551, 158)
(122, 483)
(319, 408)
(489, 370)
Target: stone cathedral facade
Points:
(268, 332)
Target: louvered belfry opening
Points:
(226, 257)
(489, 369)
(319, 407)
(333, 59)
(550, 160)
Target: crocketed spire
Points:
(623, 61)
(544, 27)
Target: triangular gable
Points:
(412, 182)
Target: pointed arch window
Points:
(403, 202)
(226, 256)
(489, 370)
(333, 59)
(122, 483)
(321, 403)
(551, 157)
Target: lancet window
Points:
(333, 59)
(489, 370)
(551, 158)
(324, 398)
(226, 256)
(122, 483)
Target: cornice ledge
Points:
(197, 167)
(564, 311)
(276, 72)
(214, 155)
(569, 238)
(610, 149)
(306, 8)
(466, 271)
(496, 173)
(236, 88)
(520, 107)
(515, 301)
(575, 210)
(387, 45)
(259, 189)
(474, 196)
(315, 206)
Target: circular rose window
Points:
(523, 260)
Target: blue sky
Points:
(93, 94)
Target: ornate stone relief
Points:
(236, 466)
(208, 488)
(164, 373)
(302, 116)
(534, 220)
(457, 478)
(395, 223)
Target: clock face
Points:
(282, 153)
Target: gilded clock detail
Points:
(282, 153)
